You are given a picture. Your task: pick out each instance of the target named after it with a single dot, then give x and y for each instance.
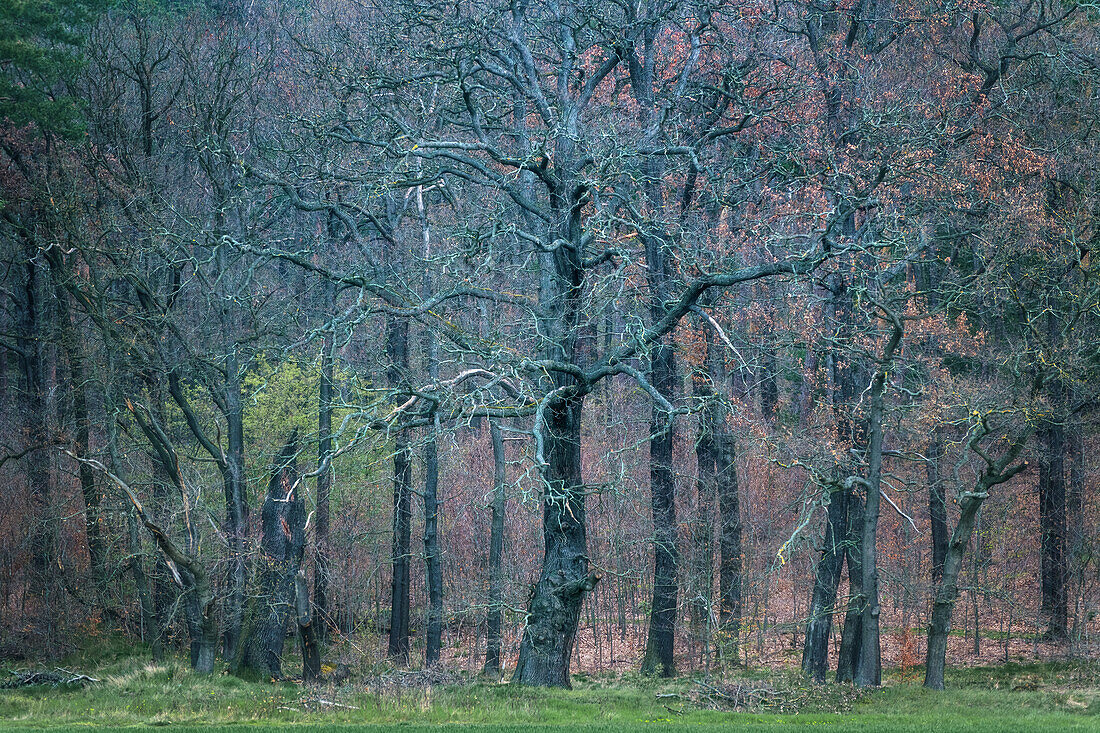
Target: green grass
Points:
(132, 693)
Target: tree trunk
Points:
(324, 484)
(555, 605)
(43, 535)
(236, 508)
(1052, 527)
(948, 591)
(937, 507)
(703, 533)
(397, 345)
(496, 553)
(74, 347)
(281, 549)
(660, 644)
(149, 616)
(433, 571)
(729, 542)
(815, 652)
(869, 669)
(201, 622)
(307, 639)
(851, 636)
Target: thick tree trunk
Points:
(34, 338)
(815, 651)
(851, 636)
(281, 549)
(202, 623)
(555, 605)
(496, 554)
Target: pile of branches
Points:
(410, 679)
(56, 678)
(775, 696)
(743, 695)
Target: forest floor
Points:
(130, 692)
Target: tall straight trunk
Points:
(78, 404)
(397, 346)
(1075, 525)
(496, 554)
(830, 564)
(937, 506)
(555, 606)
(706, 467)
(869, 669)
(324, 484)
(815, 651)
(236, 507)
(1052, 527)
(730, 565)
(43, 536)
(433, 569)
(660, 644)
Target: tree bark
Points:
(282, 547)
(996, 472)
(496, 553)
(660, 644)
(397, 346)
(236, 503)
(937, 507)
(730, 564)
(433, 571)
(706, 468)
(948, 591)
(851, 636)
(307, 639)
(324, 482)
(815, 651)
(555, 605)
(1052, 528)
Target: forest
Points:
(541, 339)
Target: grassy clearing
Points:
(1040, 697)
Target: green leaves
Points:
(39, 50)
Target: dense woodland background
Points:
(547, 336)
